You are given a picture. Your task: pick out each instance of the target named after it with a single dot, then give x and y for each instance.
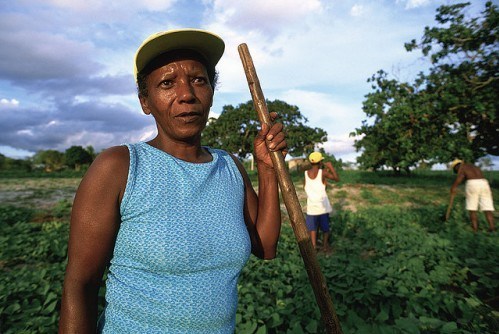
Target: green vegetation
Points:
(32, 263)
(75, 156)
(449, 112)
(442, 178)
(71, 163)
(396, 267)
(23, 174)
(236, 127)
(392, 271)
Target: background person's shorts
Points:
(321, 221)
(478, 195)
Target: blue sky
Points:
(66, 65)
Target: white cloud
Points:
(99, 6)
(280, 10)
(321, 109)
(325, 111)
(44, 59)
(410, 4)
(323, 49)
(357, 10)
(339, 144)
(311, 53)
(265, 16)
(25, 133)
(11, 102)
(156, 5)
(15, 153)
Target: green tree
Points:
(236, 127)
(51, 160)
(388, 139)
(18, 165)
(3, 159)
(75, 156)
(446, 113)
(463, 80)
(90, 149)
(7, 163)
(402, 130)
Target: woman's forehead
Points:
(174, 56)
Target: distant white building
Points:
(297, 164)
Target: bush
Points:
(394, 269)
(32, 263)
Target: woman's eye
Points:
(200, 80)
(166, 83)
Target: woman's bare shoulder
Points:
(110, 167)
(113, 157)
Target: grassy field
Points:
(396, 267)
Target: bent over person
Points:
(477, 190)
(174, 221)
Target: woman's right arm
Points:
(95, 220)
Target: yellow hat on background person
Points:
(315, 157)
(455, 163)
(207, 44)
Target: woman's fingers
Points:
(278, 142)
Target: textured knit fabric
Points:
(478, 195)
(180, 248)
(317, 201)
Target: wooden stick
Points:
(451, 201)
(292, 203)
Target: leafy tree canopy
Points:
(446, 113)
(236, 127)
(52, 160)
(76, 156)
(464, 77)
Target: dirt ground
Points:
(352, 197)
(37, 193)
(43, 193)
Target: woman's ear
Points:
(144, 103)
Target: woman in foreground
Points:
(173, 220)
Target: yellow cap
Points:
(209, 45)
(455, 162)
(315, 157)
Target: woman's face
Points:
(179, 98)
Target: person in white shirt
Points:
(318, 205)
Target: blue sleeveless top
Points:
(180, 248)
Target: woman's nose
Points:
(185, 92)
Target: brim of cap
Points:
(315, 159)
(209, 45)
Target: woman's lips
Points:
(189, 117)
